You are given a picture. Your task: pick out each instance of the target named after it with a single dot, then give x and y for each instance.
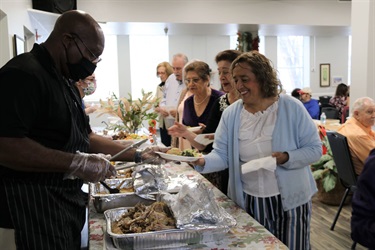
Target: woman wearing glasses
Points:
(198, 106)
(223, 60)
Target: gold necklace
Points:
(199, 103)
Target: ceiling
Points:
(44, 22)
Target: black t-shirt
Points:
(32, 101)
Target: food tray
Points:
(174, 238)
(103, 200)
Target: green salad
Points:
(190, 153)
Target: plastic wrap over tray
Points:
(194, 206)
(151, 179)
(165, 239)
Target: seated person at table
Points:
(363, 204)
(341, 98)
(295, 93)
(357, 129)
(310, 104)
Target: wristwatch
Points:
(138, 156)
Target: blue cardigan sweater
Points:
(295, 133)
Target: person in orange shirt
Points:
(358, 131)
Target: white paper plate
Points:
(202, 140)
(194, 129)
(177, 157)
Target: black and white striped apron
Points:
(48, 212)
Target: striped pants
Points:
(292, 227)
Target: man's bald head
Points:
(77, 22)
(61, 43)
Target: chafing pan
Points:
(103, 200)
(166, 239)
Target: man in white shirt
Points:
(173, 88)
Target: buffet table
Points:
(247, 234)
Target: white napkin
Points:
(267, 163)
(202, 140)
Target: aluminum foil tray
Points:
(166, 239)
(103, 200)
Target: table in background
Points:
(331, 124)
(247, 234)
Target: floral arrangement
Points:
(246, 42)
(131, 112)
(325, 169)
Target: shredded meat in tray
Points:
(143, 218)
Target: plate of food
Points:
(175, 154)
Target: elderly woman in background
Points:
(163, 70)
(341, 98)
(198, 106)
(87, 87)
(223, 60)
(267, 141)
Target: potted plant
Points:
(330, 190)
(131, 112)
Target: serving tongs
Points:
(149, 160)
(134, 145)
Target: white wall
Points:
(14, 14)
(363, 49)
(332, 50)
(4, 40)
(202, 48)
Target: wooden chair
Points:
(344, 165)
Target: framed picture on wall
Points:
(325, 75)
(19, 45)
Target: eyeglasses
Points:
(223, 73)
(96, 60)
(161, 73)
(193, 80)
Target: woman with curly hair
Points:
(267, 141)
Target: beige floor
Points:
(321, 236)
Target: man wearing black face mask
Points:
(47, 148)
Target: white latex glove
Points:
(91, 167)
